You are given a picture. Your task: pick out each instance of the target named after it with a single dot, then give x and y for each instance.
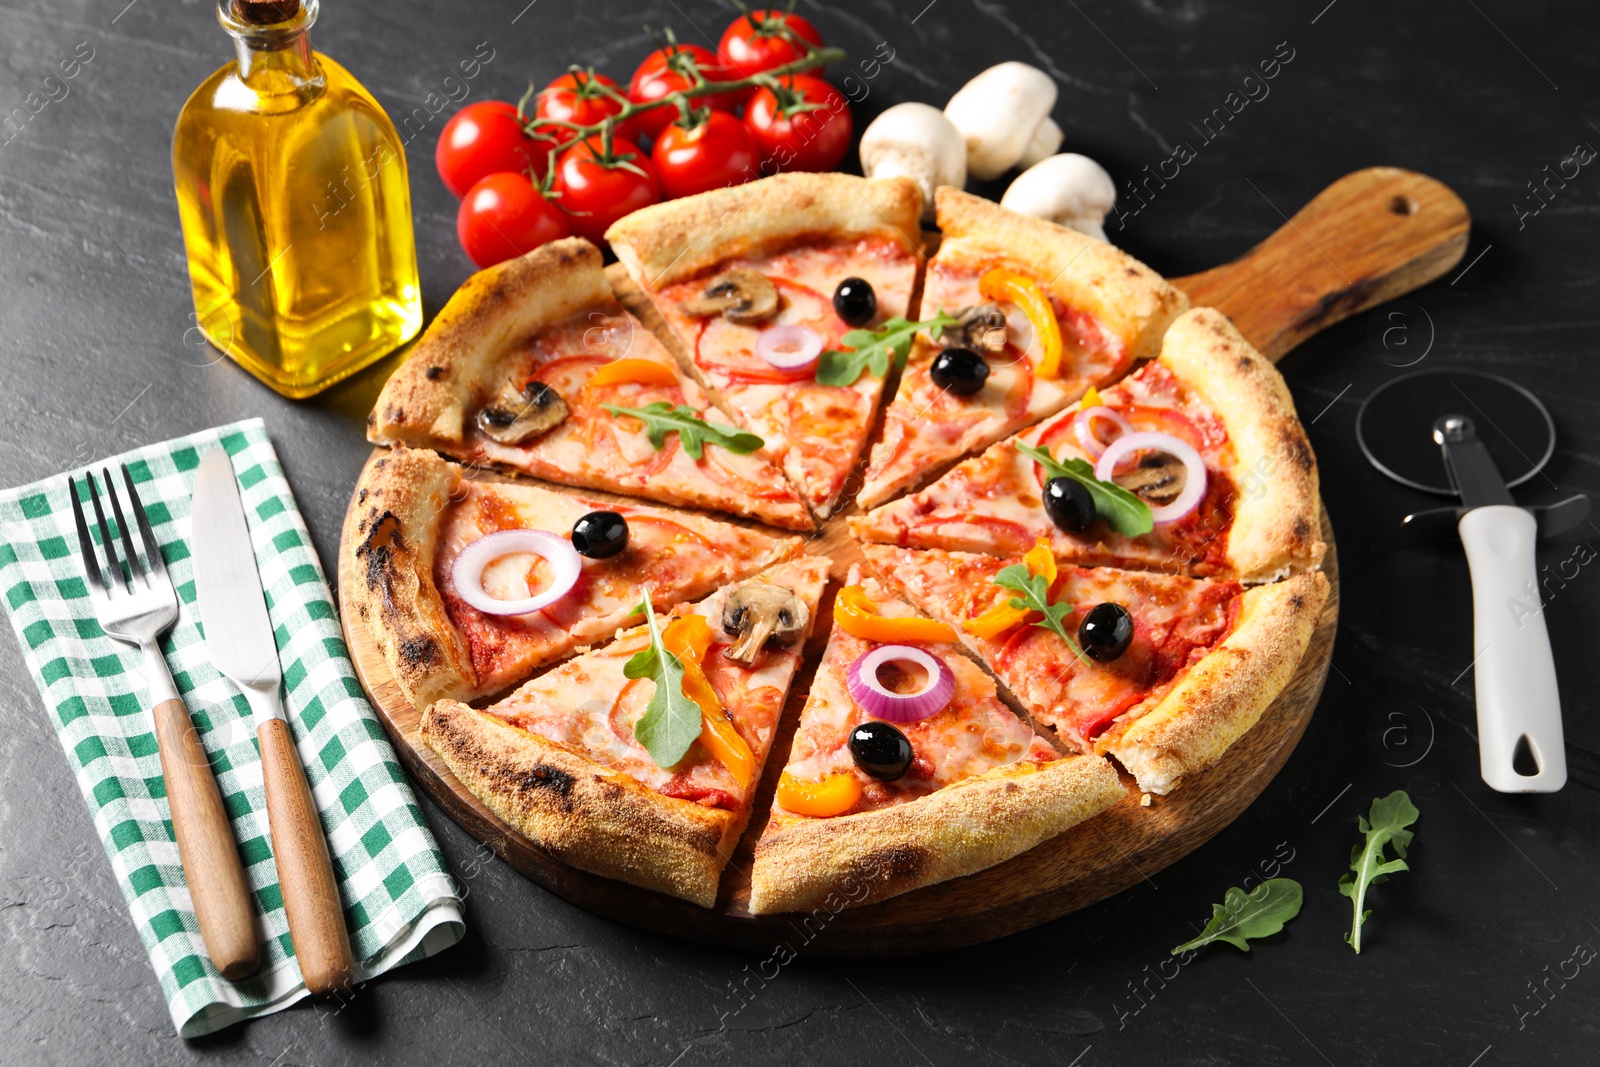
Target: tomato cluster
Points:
(513, 200)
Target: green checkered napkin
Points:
(400, 900)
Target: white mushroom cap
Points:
(915, 141)
(1068, 189)
(998, 113)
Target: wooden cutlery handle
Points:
(211, 864)
(305, 871)
(1369, 237)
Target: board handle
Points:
(1369, 237)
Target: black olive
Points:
(959, 370)
(1068, 503)
(600, 534)
(855, 302)
(880, 750)
(1106, 631)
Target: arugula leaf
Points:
(1389, 818)
(1123, 511)
(873, 349)
(1242, 916)
(671, 721)
(661, 418)
(1035, 596)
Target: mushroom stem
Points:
(749, 644)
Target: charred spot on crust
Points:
(382, 463)
(900, 863)
(1302, 529)
(378, 549)
(372, 419)
(554, 779)
(361, 497)
(433, 374)
(419, 651)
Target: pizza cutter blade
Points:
(1473, 436)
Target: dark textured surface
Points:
(1483, 94)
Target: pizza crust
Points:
(678, 239)
(1220, 698)
(588, 815)
(959, 830)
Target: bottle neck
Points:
(272, 43)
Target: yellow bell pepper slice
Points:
(689, 638)
(1002, 617)
(644, 371)
(856, 614)
(1091, 399)
(834, 795)
(1001, 283)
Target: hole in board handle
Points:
(1523, 761)
(1403, 205)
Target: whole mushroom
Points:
(915, 141)
(1004, 118)
(1068, 189)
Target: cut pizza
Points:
(1028, 316)
(788, 298)
(468, 585)
(1162, 671)
(906, 769)
(579, 759)
(1193, 464)
(532, 366)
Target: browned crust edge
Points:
(1275, 527)
(595, 818)
(959, 830)
(668, 242)
(1225, 694)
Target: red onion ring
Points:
(886, 704)
(1083, 428)
(789, 347)
(467, 571)
(1194, 486)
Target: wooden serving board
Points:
(1369, 237)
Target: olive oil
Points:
(296, 209)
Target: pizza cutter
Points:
(1474, 436)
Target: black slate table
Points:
(1466, 956)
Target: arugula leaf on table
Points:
(671, 721)
(1123, 511)
(1035, 590)
(873, 349)
(661, 418)
(1242, 916)
(1385, 825)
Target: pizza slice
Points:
(907, 770)
(761, 283)
(565, 758)
(469, 585)
(1195, 463)
(533, 366)
(1031, 315)
(1164, 672)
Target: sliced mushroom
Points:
(981, 328)
(517, 415)
(744, 296)
(756, 612)
(1158, 478)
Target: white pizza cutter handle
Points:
(1518, 702)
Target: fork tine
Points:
(135, 569)
(106, 542)
(152, 548)
(85, 542)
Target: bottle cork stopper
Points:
(265, 12)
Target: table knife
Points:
(239, 638)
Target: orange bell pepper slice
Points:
(857, 614)
(689, 638)
(1002, 617)
(644, 371)
(1001, 283)
(834, 795)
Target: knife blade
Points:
(240, 640)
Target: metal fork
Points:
(135, 603)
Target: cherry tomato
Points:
(806, 125)
(594, 195)
(576, 97)
(716, 152)
(667, 70)
(760, 40)
(503, 216)
(482, 139)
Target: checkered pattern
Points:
(401, 902)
